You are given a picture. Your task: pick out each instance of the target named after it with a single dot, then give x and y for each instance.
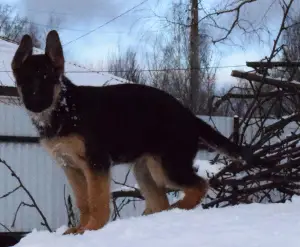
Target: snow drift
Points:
(251, 225)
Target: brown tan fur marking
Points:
(156, 170)
(153, 180)
(192, 197)
(79, 186)
(151, 186)
(91, 189)
(98, 198)
(69, 149)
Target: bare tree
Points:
(5, 13)
(230, 17)
(291, 41)
(53, 22)
(125, 65)
(13, 29)
(232, 101)
(282, 104)
(13, 26)
(35, 34)
(169, 61)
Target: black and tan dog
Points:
(88, 129)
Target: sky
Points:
(142, 25)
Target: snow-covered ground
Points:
(255, 225)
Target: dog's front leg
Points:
(79, 186)
(98, 187)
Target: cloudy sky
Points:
(141, 25)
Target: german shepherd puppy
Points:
(89, 129)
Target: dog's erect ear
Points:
(23, 52)
(54, 50)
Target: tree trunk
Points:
(194, 57)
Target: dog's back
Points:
(130, 120)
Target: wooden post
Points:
(194, 59)
(236, 127)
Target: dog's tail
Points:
(213, 139)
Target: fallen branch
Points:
(283, 122)
(132, 193)
(129, 193)
(267, 80)
(270, 65)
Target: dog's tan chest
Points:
(67, 150)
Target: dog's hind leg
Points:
(179, 171)
(192, 195)
(154, 193)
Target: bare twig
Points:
(10, 192)
(5, 227)
(17, 211)
(34, 204)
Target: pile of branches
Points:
(272, 138)
(267, 100)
